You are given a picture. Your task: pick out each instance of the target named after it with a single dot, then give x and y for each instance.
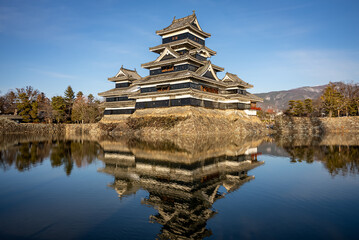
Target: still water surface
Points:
(130, 189)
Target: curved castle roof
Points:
(190, 22)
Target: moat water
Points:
(258, 188)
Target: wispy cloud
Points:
(52, 74)
(333, 65)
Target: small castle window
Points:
(167, 68)
(209, 89)
(163, 88)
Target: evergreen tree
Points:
(34, 112)
(341, 103)
(291, 105)
(308, 105)
(26, 106)
(69, 101)
(330, 98)
(69, 95)
(59, 108)
(298, 108)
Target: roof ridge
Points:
(129, 69)
(183, 18)
(185, 22)
(238, 79)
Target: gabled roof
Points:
(165, 76)
(119, 91)
(185, 22)
(202, 50)
(125, 74)
(233, 78)
(181, 58)
(167, 51)
(185, 41)
(207, 68)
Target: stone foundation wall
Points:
(189, 120)
(316, 126)
(152, 123)
(341, 124)
(10, 127)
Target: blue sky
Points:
(274, 45)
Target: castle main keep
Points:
(182, 75)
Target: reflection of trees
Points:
(84, 152)
(301, 154)
(67, 152)
(337, 157)
(341, 159)
(61, 155)
(25, 155)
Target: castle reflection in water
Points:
(182, 183)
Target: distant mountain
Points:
(278, 100)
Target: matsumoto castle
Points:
(182, 75)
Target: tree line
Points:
(33, 106)
(338, 99)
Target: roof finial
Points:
(193, 12)
(135, 69)
(174, 18)
(122, 66)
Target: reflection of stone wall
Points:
(326, 139)
(88, 129)
(304, 125)
(344, 139)
(184, 149)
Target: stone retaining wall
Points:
(316, 126)
(10, 127)
(174, 121)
